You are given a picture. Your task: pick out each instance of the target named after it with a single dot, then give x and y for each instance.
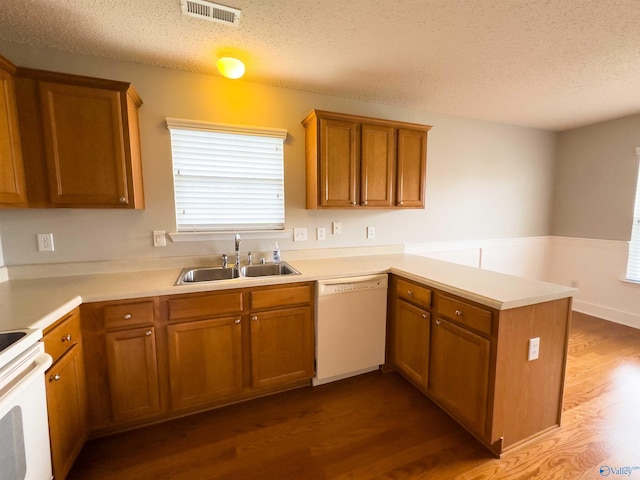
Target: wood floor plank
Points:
(377, 426)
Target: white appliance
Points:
(351, 321)
(24, 428)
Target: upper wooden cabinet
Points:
(81, 141)
(361, 162)
(12, 183)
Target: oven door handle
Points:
(41, 362)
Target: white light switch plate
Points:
(300, 234)
(321, 234)
(371, 232)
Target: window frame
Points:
(633, 260)
(186, 234)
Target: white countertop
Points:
(37, 303)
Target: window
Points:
(227, 177)
(633, 265)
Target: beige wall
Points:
(484, 180)
(596, 174)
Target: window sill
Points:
(211, 236)
(632, 282)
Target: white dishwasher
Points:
(351, 325)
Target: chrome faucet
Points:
(225, 263)
(237, 251)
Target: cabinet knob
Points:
(148, 333)
(438, 323)
(66, 338)
(127, 316)
(410, 292)
(254, 318)
(122, 199)
(237, 321)
(353, 203)
(425, 315)
(54, 378)
(459, 313)
(365, 202)
(400, 203)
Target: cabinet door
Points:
(12, 182)
(377, 166)
(410, 350)
(66, 402)
(412, 167)
(205, 361)
(85, 145)
(338, 163)
(459, 373)
(133, 373)
(282, 347)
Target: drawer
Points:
(281, 297)
(477, 318)
(125, 315)
(64, 334)
(204, 306)
(413, 293)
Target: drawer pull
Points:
(66, 338)
(127, 316)
(459, 313)
(148, 333)
(438, 323)
(254, 318)
(237, 321)
(54, 378)
(122, 200)
(425, 315)
(410, 292)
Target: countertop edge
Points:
(28, 307)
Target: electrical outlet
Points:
(371, 232)
(320, 234)
(534, 348)
(159, 238)
(336, 228)
(45, 242)
(300, 234)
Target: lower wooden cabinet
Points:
(66, 406)
(133, 373)
(282, 347)
(205, 361)
(155, 358)
(473, 360)
(66, 393)
(121, 359)
(410, 349)
(459, 373)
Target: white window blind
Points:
(633, 264)
(226, 177)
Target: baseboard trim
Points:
(607, 313)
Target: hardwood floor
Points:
(379, 426)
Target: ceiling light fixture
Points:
(230, 67)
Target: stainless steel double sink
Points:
(193, 275)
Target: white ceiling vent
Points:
(211, 11)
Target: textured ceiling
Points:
(552, 64)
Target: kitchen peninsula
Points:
(476, 327)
